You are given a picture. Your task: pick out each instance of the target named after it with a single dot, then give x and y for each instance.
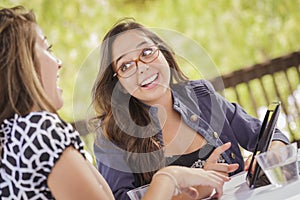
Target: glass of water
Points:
(138, 193)
(280, 164)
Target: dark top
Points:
(194, 159)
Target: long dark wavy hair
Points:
(125, 120)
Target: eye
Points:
(49, 48)
(125, 66)
(147, 52)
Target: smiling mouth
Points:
(149, 80)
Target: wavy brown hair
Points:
(21, 87)
(125, 120)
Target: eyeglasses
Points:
(129, 68)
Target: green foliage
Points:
(235, 33)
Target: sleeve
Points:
(51, 138)
(119, 182)
(245, 127)
(113, 168)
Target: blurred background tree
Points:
(235, 33)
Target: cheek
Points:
(128, 85)
(48, 73)
(165, 70)
(49, 78)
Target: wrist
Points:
(170, 177)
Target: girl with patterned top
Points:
(42, 156)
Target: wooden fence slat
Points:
(273, 68)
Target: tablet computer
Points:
(258, 178)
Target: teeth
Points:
(149, 80)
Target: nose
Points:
(142, 67)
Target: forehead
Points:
(40, 37)
(129, 41)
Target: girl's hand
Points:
(223, 168)
(274, 144)
(188, 178)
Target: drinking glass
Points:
(138, 193)
(280, 164)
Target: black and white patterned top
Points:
(31, 145)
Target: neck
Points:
(165, 108)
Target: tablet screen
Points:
(258, 178)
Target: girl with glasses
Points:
(150, 115)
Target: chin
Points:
(58, 100)
(58, 104)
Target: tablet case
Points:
(258, 178)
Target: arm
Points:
(250, 127)
(203, 192)
(163, 185)
(244, 127)
(212, 164)
(73, 178)
(274, 144)
(62, 161)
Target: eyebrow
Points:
(137, 46)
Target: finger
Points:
(208, 178)
(215, 196)
(217, 152)
(223, 174)
(253, 166)
(191, 192)
(218, 167)
(215, 180)
(224, 177)
(247, 163)
(219, 191)
(222, 167)
(233, 167)
(276, 144)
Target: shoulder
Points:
(49, 131)
(49, 135)
(193, 89)
(201, 87)
(44, 121)
(48, 126)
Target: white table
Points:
(237, 188)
